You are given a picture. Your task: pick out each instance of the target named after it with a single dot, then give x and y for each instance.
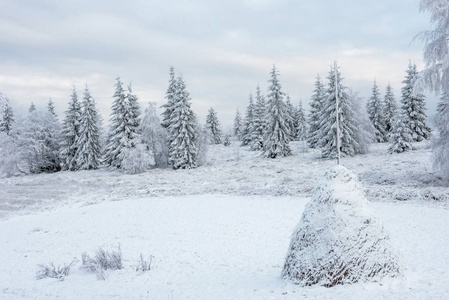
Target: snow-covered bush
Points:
(135, 160)
(339, 239)
(102, 261)
(52, 271)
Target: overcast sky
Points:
(223, 49)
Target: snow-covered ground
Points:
(220, 231)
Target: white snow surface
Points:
(220, 231)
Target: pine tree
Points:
(259, 121)
(413, 107)
(7, 117)
(117, 127)
(364, 131)
(88, 147)
(155, 136)
(375, 112)
(51, 107)
(248, 122)
(32, 107)
(328, 120)
(238, 125)
(132, 120)
(390, 108)
(277, 135)
(71, 133)
(170, 96)
(183, 131)
(301, 123)
(291, 116)
(401, 137)
(316, 106)
(213, 127)
(440, 144)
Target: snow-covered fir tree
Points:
(440, 143)
(277, 136)
(401, 136)
(291, 117)
(316, 105)
(170, 95)
(155, 136)
(32, 107)
(328, 120)
(413, 107)
(390, 109)
(6, 117)
(213, 127)
(132, 119)
(248, 123)
(88, 152)
(118, 126)
(259, 121)
(375, 110)
(202, 145)
(51, 107)
(71, 133)
(238, 125)
(300, 123)
(183, 135)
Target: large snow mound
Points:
(339, 239)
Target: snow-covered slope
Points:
(220, 231)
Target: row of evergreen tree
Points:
(382, 121)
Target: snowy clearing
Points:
(220, 231)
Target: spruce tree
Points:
(248, 123)
(183, 150)
(277, 135)
(375, 112)
(259, 121)
(117, 127)
(213, 127)
(51, 107)
(328, 120)
(132, 119)
(316, 105)
(291, 117)
(390, 108)
(32, 107)
(238, 125)
(7, 117)
(301, 123)
(401, 136)
(71, 133)
(88, 147)
(413, 107)
(170, 95)
(440, 144)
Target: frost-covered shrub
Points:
(135, 160)
(339, 240)
(52, 271)
(144, 265)
(102, 261)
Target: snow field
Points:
(206, 247)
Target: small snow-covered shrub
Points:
(339, 240)
(144, 265)
(135, 160)
(52, 271)
(102, 261)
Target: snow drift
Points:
(339, 239)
